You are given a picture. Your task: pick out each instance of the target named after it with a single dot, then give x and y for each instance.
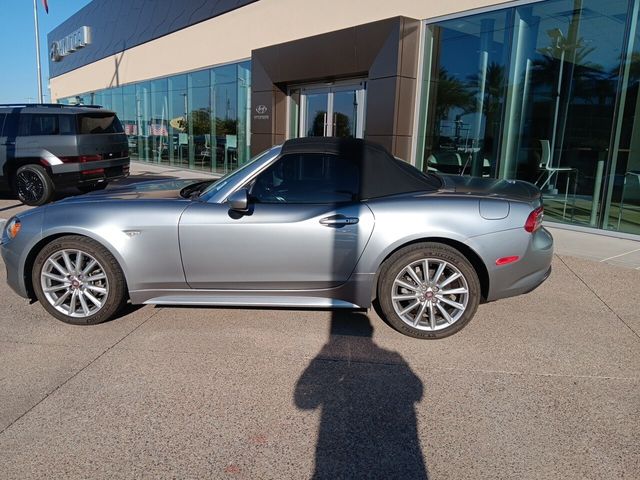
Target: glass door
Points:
(328, 111)
(315, 113)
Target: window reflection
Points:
(197, 120)
(531, 92)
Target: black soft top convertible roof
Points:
(381, 174)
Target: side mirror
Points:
(239, 200)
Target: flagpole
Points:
(35, 20)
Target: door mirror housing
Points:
(239, 201)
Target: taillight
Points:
(534, 220)
(81, 159)
(95, 171)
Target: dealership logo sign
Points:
(261, 111)
(69, 44)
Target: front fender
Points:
(141, 235)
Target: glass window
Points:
(66, 124)
(530, 92)
(45, 124)
(129, 119)
(11, 125)
(2, 117)
(143, 112)
(622, 198)
(99, 122)
(244, 112)
(225, 112)
(159, 122)
(195, 120)
(308, 178)
(178, 108)
(199, 120)
(467, 87)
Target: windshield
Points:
(219, 184)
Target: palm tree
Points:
(451, 93)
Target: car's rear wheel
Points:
(78, 281)
(33, 185)
(93, 187)
(428, 290)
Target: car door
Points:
(305, 229)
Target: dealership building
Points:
(544, 91)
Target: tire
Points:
(33, 185)
(398, 290)
(96, 300)
(94, 187)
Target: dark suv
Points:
(44, 147)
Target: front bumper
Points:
(15, 252)
(12, 266)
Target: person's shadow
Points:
(366, 395)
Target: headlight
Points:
(13, 228)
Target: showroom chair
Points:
(549, 171)
(633, 174)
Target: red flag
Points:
(46, 5)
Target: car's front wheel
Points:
(78, 281)
(428, 290)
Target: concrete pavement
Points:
(545, 385)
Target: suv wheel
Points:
(428, 291)
(33, 185)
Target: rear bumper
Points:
(528, 273)
(72, 174)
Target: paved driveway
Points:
(541, 386)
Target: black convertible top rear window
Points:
(380, 173)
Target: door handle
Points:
(338, 221)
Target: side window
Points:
(24, 125)
(308, 178)
(11, 125)
(3, 116)
(66, 124)
(38, 124)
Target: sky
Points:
(18, 74)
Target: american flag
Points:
(130, 129)
(158, 129)
(46, 5)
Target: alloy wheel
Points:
(430, 294)
(29, 186)
(74, 283)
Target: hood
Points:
(491, 187)
(154, 189)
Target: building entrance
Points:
(329, 110)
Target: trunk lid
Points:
(100, 133)
(494, 188)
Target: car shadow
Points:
(366, 396)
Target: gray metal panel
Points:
(283, 246)
(117, 25)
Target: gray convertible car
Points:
(314, 223)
